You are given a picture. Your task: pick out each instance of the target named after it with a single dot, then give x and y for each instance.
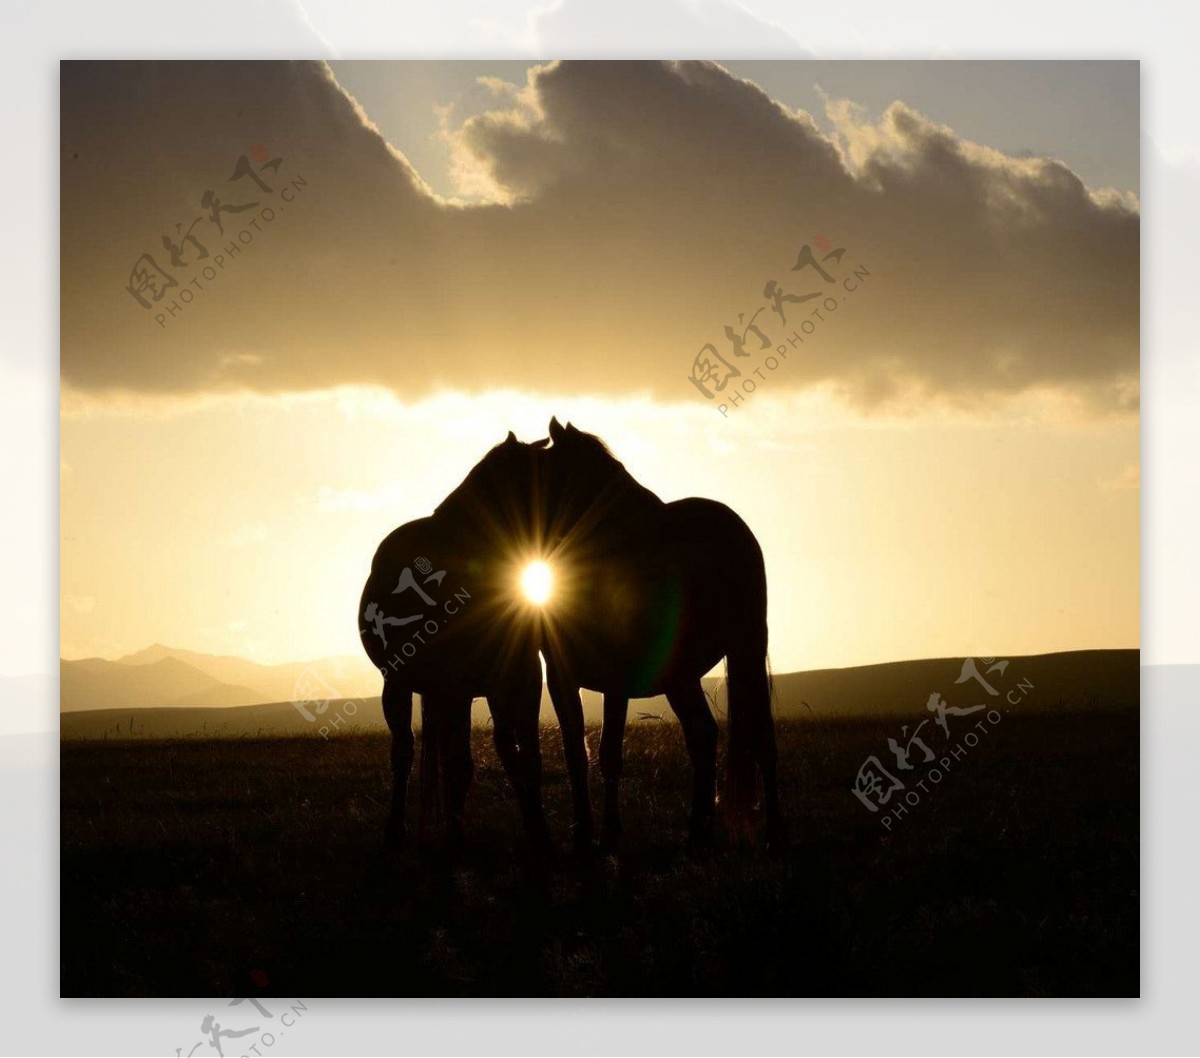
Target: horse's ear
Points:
(571, 429)
(556, 430)
(511, 439)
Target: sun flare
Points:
(537, 581)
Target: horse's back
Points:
(703, 517)
(711, 539)
(662, 604)
(402, 544)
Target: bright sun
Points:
(536, 582)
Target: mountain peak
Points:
(152, 653)
(163, 675)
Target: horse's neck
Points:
(637, 500)
(452, 509)
(626, 509)
(462, 525)
(466, 507)
(461, 501)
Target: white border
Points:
(37, 1022)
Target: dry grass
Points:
(187, 865)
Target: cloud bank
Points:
(637, 210)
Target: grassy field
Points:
(189, 865)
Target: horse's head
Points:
(585, 490)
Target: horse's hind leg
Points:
(700, 734)
(753, 699)
(456, 747)
(397, 711)
(569, 709)
(612, 743)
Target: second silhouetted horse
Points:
(650, 596)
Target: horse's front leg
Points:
(523, 769)
(516, 706)
(612, 740)
(397, 711)
(568, 707)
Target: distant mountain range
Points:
(165, 693)
(168, 677)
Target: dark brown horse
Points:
(649, 597)
(442, 616)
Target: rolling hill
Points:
(1096, 680)
(1077, 679)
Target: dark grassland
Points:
(187, 865)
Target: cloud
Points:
(636, 210)
(1129, 479)
(82, 603)
(246, 535)
(386, 497)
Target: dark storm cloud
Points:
(640, 208)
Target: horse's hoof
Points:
(456, 842)
(583, 849)
(702, 827)
(582, 842)
(538, 856)
(775, 842)
(610, 839)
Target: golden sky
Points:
(947, 465)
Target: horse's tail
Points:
(751, 725)
(433, 786)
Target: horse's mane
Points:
(471, 485)
(600, 443)
(634, 490)
(488, 481)
(605, 499)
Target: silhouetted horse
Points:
(441, 615)
(649, 597)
